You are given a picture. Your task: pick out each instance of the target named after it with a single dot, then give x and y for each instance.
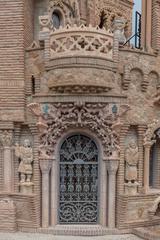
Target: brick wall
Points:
(28, 21)
(156, 24)
(11, 60)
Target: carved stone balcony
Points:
(79, 43)
(78, 59)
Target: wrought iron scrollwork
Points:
(78, 202)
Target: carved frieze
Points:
(55, 119)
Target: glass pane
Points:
(56, 20)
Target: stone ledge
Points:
(78, 230)
(148, 233)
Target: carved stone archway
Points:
(56, 119)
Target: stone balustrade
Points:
(76, 41)
(81, 41)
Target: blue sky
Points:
(137, 7)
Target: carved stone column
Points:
(6, 140)
(147, 147)
(54, 196)
(119, 37)
(45, 166)
(141, 132)
(112, 167)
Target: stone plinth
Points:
(131, 188)
(26, 187)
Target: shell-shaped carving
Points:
(35, 108)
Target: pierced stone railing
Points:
(81, 41)
(76, 41)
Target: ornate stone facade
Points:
(79, 117)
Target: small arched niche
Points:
(136, 76)
(154, 82)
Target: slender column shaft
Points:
(112, 200)
(146, 167)
(6, 141)
(45, 166)
(54, 194)
(112, 167)
(45, 200)
(7, 169)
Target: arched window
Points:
(78, 190)
(56, 19)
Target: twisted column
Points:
(45, 166)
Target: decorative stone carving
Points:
(131, 159)
(45, 165)
(89, 42)
(44, 23)
(113, 10)
(25, 154)
(119, 25)
(154, 211)
(67, 81)
(149, 140)
(69, 9)
(131, 172)
(6, 138)
(149, 137)
(57, 118)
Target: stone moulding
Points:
(69, 88)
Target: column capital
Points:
(148, 144)
(112, 165)
(6, 138)
(45, 165)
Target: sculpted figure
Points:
(25, 154)
(131, 159)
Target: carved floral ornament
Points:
(113, 10)
(69, 11)
(6, 138)
(55, 119)
(150, 136)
